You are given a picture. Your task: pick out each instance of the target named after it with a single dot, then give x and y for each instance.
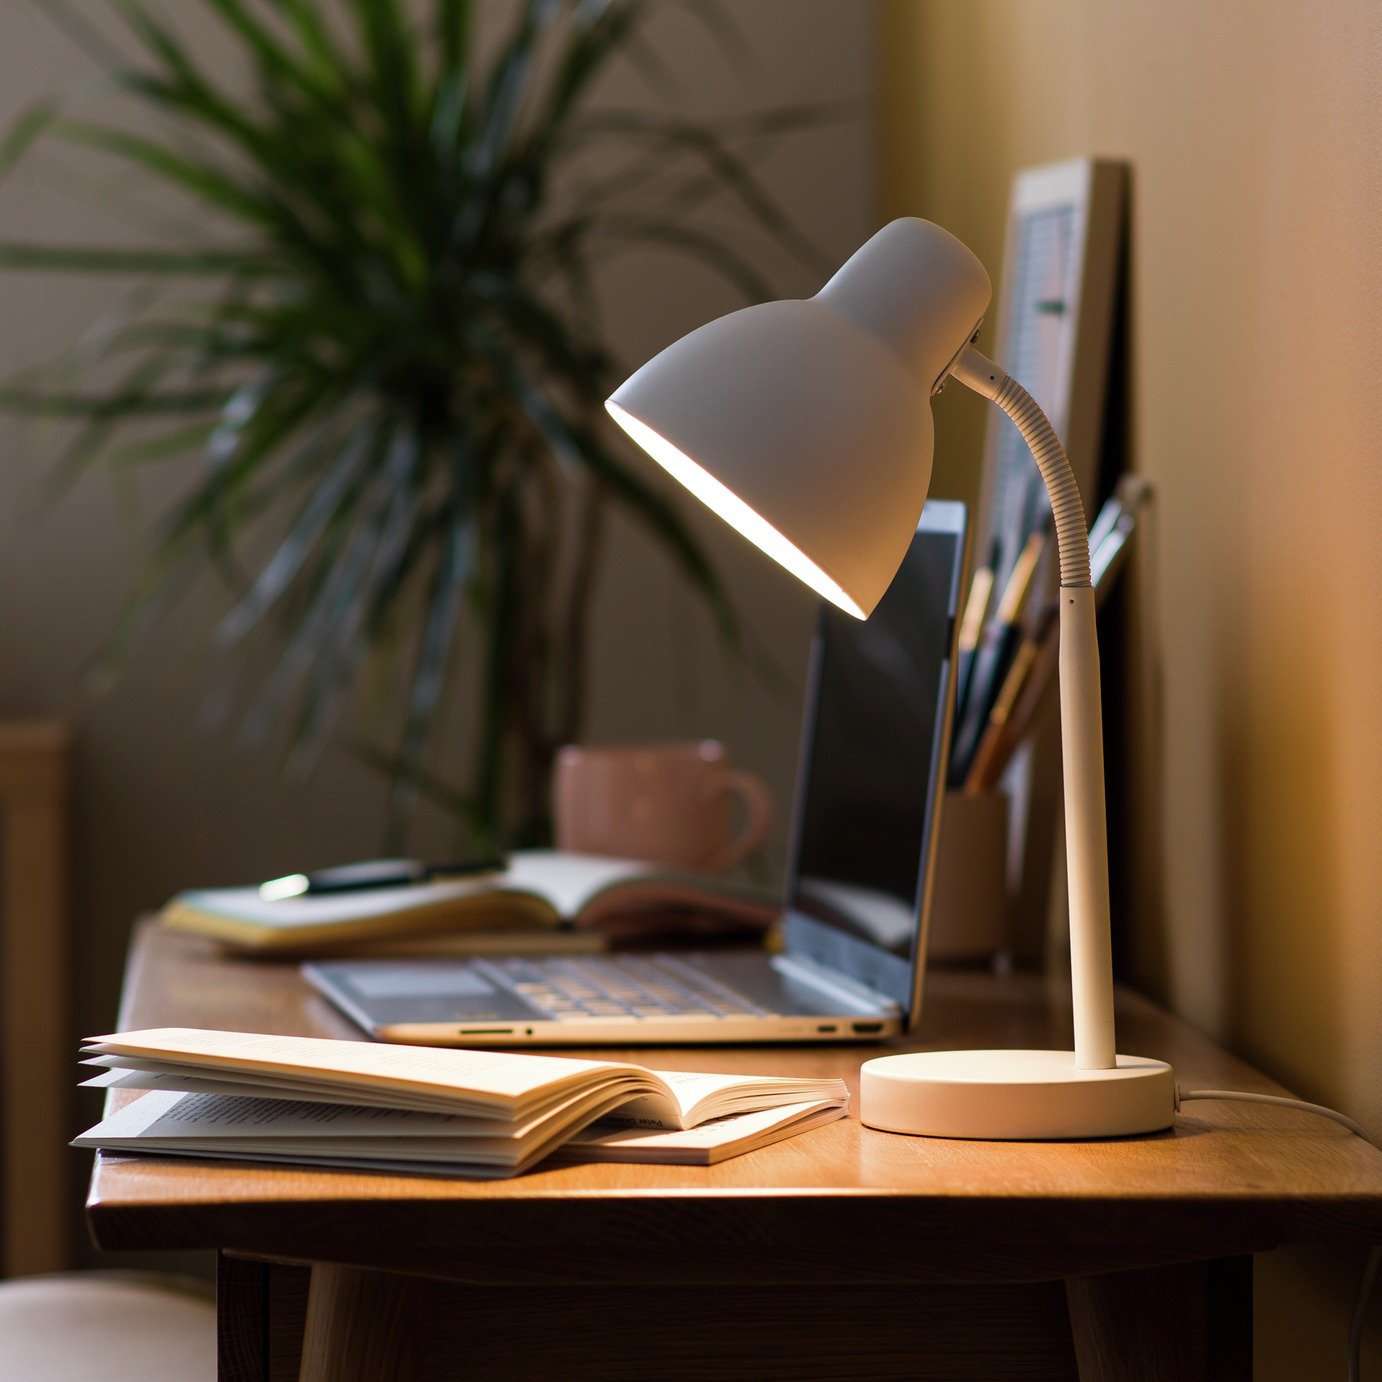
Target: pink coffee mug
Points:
(667, 803)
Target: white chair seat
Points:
(116, 1328)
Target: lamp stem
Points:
(1082, 740)
(1086, 831)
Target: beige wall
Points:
(1254, 132)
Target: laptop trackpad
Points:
(433, 992)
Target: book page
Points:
(700, 1096)
(186, 1079)
(484, 1077)
(569, 881)
(550, 1112)
(183, 1082)
(173, 1114)
(703, 1145)
(630, 896)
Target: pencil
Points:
(972, 627)
(995, 746)
(996, 652)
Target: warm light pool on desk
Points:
(807, 426)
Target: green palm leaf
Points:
(382, 356)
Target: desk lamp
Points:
(807, 426)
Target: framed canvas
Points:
(1056, 318)
(1054, 334)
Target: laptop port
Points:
(831, 1028)
(867, 1028)
(484, 1031)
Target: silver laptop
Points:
(866, 820)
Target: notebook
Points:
(865, 823)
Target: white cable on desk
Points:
(1182, 1095)
(1364, 1292)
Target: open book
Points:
(407, 1108)
(542, 896)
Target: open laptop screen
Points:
(873, 767)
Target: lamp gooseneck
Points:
(980, 374)
(1082, 730)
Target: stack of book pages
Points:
(374, 1106)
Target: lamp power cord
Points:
(1369, 1279)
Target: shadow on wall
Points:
(1132, 646)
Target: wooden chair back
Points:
(35, 1050)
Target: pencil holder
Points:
(969, 905)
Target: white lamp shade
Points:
(807, 424)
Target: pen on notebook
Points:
(972, 627)
(371, 874)
(995, 744)
(999, 646)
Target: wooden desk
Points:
(842, 1253)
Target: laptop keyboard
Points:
(627, 987)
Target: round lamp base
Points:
(1010, 1096)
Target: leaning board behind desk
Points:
(842, 1253)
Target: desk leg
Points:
(1186, 1323)
(362, 1326)
(260, 1307)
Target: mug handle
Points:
(758, 817)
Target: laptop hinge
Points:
(831, 981)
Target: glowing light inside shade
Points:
(732, 509)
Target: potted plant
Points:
(385, 356)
